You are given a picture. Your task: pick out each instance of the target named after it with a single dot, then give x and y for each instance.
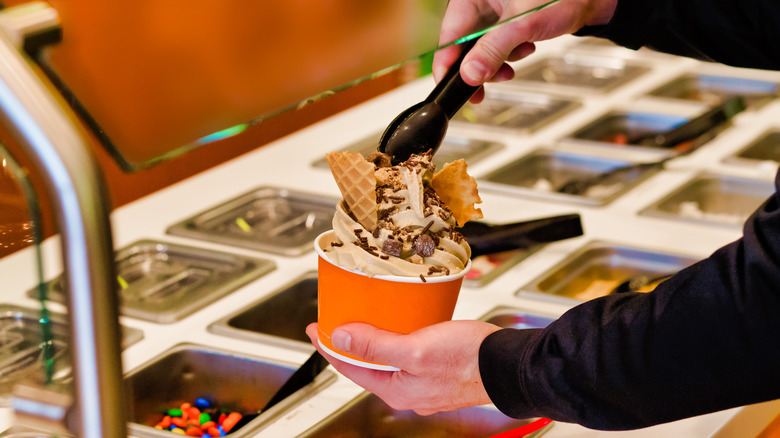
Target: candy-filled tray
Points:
(164, 282)
(221, 382)
(270, 219)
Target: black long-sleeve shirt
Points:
(705, 340)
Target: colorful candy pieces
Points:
(198, 420)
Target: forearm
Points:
(736, 32)
(703, 341)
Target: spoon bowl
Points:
(705, 127)
(416, 130)
(422, 126)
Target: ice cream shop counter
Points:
(218, 277)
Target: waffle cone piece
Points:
(458, 190)
(355, 179)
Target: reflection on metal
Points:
(46, 134)
(52, 415)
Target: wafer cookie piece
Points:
(458, 190)
(355, 179)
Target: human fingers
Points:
(521, 51)
(369, 379)
(442, 60)
(372, 344)
(510, 40)
(478, 96)
(506, 72)
(486, 61)
(439, 364)
(461, 18)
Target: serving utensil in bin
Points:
(490, 239)
(422, 126)
(304, 375)
(696, 126)
(580, 186)
(686, 132)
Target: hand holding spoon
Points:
(422, 126)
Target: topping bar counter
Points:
(219, 280)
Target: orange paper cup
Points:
(389, 302)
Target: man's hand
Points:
(439, 364)
(512, 41)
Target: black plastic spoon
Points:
(422, 126)
(489, 239)
(304, 375)
(696, 126)
(708, 122)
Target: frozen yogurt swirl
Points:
(415, 233)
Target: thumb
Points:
(369, 343)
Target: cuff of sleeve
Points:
(628, 25)
(501, 366)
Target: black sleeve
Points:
(742, 33)
(706, 339)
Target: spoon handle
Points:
(451, 93)
(300, 378)
(489, 239)
(579, 186)
(696, 126)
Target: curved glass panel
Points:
(155, 79)
(27, 344)
(18, 208)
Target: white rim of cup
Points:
(396, 278)
(360, 363)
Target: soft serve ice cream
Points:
(394, 258)
(401, 220)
